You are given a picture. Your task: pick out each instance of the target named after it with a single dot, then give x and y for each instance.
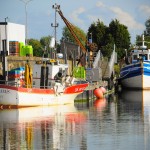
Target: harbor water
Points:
(116, 122)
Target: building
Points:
(11, 32)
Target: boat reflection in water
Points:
(38, 127)
(137, 101)
(137, 96)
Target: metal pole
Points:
(56, 7)
(26, 21)
(5, 50)
(6, 32)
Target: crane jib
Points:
(69, 25)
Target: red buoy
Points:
(103, 89)
(98, 93)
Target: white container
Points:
(59, 55)
(52, 43)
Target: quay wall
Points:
(17, 61)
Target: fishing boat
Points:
(136, 73)
(44, 83)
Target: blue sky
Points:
(82, 13)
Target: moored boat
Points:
(46, 83)
(136, 74)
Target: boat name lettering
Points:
(4, 91)
(79, 89)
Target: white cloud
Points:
(100, 4)
(75, 15)
(145, 9)
(126, 19)
(93, 18)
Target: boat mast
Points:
(55, 25)
(143, 43)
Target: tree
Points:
(120, 34)
(97, 30)
(105, 37)
(147, 24)
(121, 37)
(108, 45)
(45, 42)
(37, 47)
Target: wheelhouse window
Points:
(143, 56)
(135, 57)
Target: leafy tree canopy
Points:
(37, 47)
(146, 33)
(97, 30)
(147, 24)
(105, 37)
(45, 42)
(121, 37)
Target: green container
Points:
(29, 50)
(21, 47)
(79, 72)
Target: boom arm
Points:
(70, 27)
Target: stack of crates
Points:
(17, 75)
(14, 48)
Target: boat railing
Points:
(111, 62)
(97, 58)
(15, 83)
(11, 83)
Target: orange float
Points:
(103, 89)
(98, 93)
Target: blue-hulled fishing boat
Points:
(136, 74)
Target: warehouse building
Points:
(11, 34)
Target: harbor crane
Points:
(73, 32)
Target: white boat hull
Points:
(133, 82)
(136, 76)
(24, 97)
(138, 82)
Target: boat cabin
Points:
(137, 55)
(45, 75)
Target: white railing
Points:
(96, 60)
(111, 62)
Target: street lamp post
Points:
(26, 28)
(56, 24)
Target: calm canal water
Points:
(114, 123)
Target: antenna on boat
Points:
(143, 43)
(55, 25)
